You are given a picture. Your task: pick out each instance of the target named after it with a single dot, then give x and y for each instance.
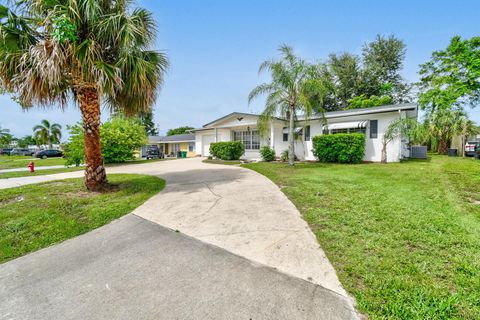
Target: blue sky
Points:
(215, 48)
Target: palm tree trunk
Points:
(95, 176)
(291, 140)
(384, 151)
(443, 146)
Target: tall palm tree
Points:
(296, 88)
(48, 133)
(92, 52)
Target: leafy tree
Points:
(27, 141)
(362, 101)
(179, 130)
(48, 133)
(146, 119)
(345, 72)
(295, 87)
(448, 81)
(5, 137)
(88, 51)
(120, 138)
(451, 78)
(382, 63)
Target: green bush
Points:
(284, 156)
(342, 148)
(267, 153)
(228, 150)
(120, 138)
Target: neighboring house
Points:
(370, 121)
(171, 145)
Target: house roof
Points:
(327, 115)
(356, 112)
(186, 137)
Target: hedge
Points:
(228, 150)
(342, 147)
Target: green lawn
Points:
(227, 162)
(17, 174)
(9, 162)
(404, 238)
(36, 216)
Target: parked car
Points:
(153, 152)
(471, 148)
(21, 152)
(49, 154)
(5, 151)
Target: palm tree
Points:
(92, 52)
(445, 124)
(48, 133)
(406, 127)
(296, 87)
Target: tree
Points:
(345, 75)
(48, 133)
(90, 51)
(27, 141)
(295, 88)
(146, 118)
(5, 137)
(179, 130)
(382, 63)
(451, 78)
(445, 124)
(398, 128)
(120, 138)
(449, 81)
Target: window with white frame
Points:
(191, 147)
(250, 139)
(348, 130)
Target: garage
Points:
(206, 141)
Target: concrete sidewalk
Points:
(136, 269)
(36, 168)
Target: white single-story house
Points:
(170, 146)
(370, 121)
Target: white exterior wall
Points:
(303, 149)
(373, 147)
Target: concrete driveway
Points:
(232, 208)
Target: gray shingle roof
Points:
(187, 137)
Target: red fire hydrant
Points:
(31, 166)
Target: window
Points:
(191, 147)
(348, 130)
(250, 139)
(285, 134)
(373, 129)
(175, 148)
(307, 133)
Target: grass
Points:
(10, 162)
(227, 162)
(404, 238)
(36, 216)
(18, 174)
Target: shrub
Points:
(284, 156)
(228, 150)
(120, 139)
(267, 153)
(342, 148)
